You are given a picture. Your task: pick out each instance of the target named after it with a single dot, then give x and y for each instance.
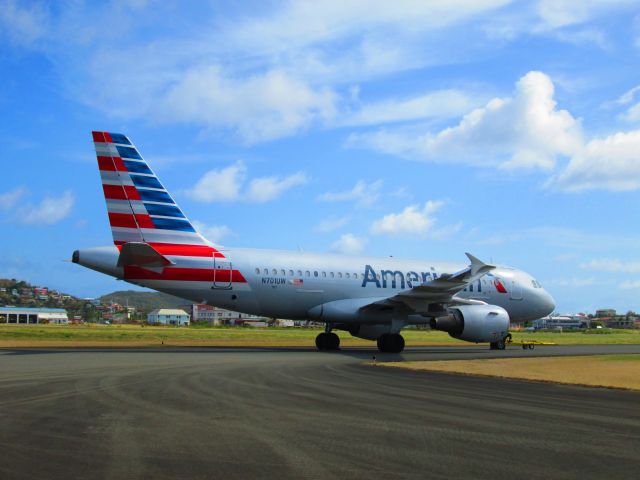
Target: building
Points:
(565, 322)
(606, 312)
(168, 316)
(201, 312)
(33, 315)
(619, 322)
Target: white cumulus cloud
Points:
(213, 233)
(412, 220)
(615, 265)
(259, 108)
(363, 193)
(268, 188)
(49, 211)
(331, 224)
(611, 163)
(228, 184)
(437, 104)
(524, 131)
(24, 23)
(10, 199)
(349, 244)
(219, 185)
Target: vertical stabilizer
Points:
(140, 208)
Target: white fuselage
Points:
(289, 284)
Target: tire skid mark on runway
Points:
(305, 415)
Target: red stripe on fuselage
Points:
(183, 274)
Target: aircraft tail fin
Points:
(140, 208)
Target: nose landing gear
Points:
(501, 344)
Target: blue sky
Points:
(415, 129)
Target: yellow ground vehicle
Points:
(526, 344)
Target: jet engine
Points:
(474, 323)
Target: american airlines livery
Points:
(372, 298)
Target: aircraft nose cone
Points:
(547, 304)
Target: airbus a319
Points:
(156, 246)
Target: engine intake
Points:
(474, 323)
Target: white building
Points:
(571, 322)
(168, 316)
(201, 312)
(25, 315)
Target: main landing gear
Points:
(328, 340)
(391, 343)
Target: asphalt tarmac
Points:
(298, 413)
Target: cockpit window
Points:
(535, 283)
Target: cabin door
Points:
(222, 273)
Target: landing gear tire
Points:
(391, 343)
(499, 345)
(328, 341)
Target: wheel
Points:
(524, 347)
(493, 346)
(333, 342)
(499, 345)
(321, 341)
(391, 343)
(531, 346)
(398, 343)
(328, 341)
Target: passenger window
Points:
(299, 273)
(258, 271)
(274, 271)
(315, 273)
(346, 275)
(355, 275)
(307, 273)
(266, 271)
(339, 275)
(324, 274)
(282, 272)
(332, 275)
(291, 273)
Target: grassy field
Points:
(615, 371)
(91, 335)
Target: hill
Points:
(143, 300)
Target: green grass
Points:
(26, 335)
(611, 336)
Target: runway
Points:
(298, 413)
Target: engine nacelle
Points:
(474, 323)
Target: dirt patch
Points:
(613, 371)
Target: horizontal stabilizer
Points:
(141, 255)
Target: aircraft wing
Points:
(443, 289)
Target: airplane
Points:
(156, 246)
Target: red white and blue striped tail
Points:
(140, 208)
